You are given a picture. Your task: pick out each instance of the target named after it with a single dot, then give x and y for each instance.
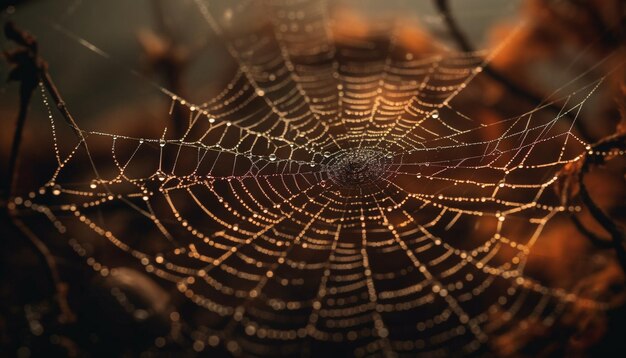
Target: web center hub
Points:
(359, 166)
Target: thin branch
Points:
(29, 69)
(60, 104)
(26, 93)
(593, 158)
(26, 71)
(513, 87)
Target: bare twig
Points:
(513, 87)
(30, 69)
(27, 67)
(594, 157)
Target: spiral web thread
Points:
(331, 194)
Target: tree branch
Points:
(594, 157)
(29, 69)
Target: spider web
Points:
(331, 195)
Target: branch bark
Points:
(30, 69)
(593, 158)
(27, 67)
